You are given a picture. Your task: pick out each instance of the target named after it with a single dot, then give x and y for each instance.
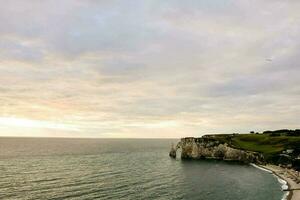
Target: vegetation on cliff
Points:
(278, 147)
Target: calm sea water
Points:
(35, 168)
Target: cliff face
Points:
(200, 148)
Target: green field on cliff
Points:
(265, 143)
(270, 143)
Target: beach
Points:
(290, 176)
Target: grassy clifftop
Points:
(272, 144)
(265, 143)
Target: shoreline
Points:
(293, 188)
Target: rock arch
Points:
(174, 149)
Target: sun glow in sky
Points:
(148, 68)
(17, 122)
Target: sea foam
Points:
(284, 185)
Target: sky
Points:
(148, 69)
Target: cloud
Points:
(150, 68)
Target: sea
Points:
(60, 168)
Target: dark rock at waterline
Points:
(172, 153)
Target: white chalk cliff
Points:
(208, 148)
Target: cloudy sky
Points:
(148, 68)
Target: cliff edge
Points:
(211, 148)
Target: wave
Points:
(261, 168)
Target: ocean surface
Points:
(43, 168)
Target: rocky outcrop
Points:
(173, 151)
(209, 148)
